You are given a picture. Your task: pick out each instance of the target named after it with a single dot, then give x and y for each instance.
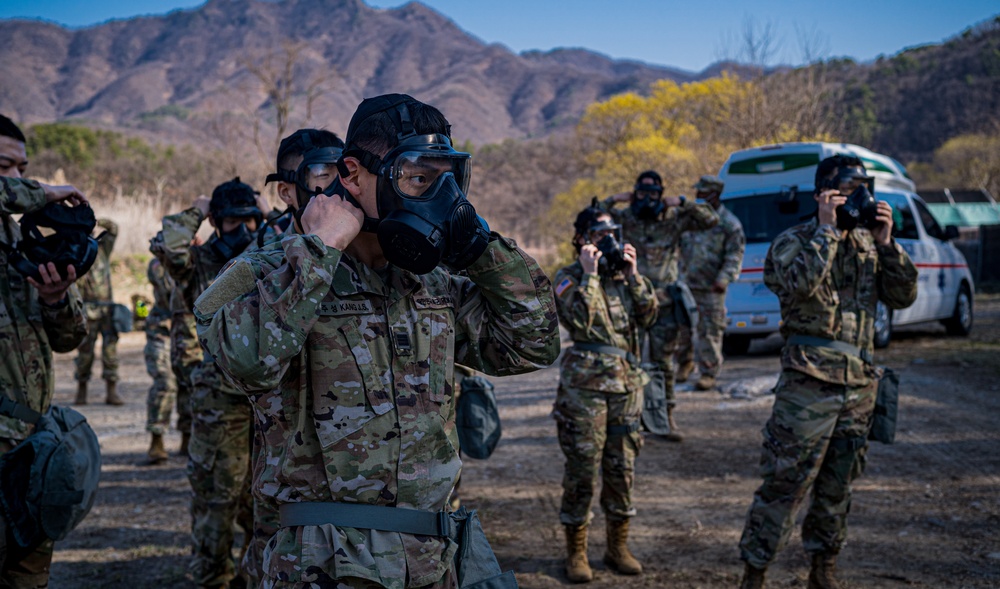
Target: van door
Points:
(906, 231)
(943, 266)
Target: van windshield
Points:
(765, 216)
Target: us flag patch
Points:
(563, 286)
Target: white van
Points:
(770, 189)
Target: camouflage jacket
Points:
(29, 330)
(603, 310)
(714, 255)
(828, 287)
(95, 285)
(158, 321)
(657, 243)
(351, 374)
(193, 269)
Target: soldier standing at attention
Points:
(36, 319)
(603, 302)
(95, 287)
(654, 223)
(345, 338)
(163, 393)
(712, 259)
(221, 430)
(829, 275)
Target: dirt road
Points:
(926, 514)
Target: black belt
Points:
(366, 517)
(821, 342)
(607, 349)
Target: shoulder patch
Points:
(563, 286)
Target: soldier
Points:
(712, 259)
(95, 287)
(654, 224)
(163, 392)
(603, 302)
(185, 351)
(346, 339)
(221, 434)
(36, 319)
(829, 274)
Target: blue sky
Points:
(689, 34)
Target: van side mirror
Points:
(950, 232)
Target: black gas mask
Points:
(647, 201)
(70, 244)
(861, 207)
(612, 260)
(425, 218)
(233, 200)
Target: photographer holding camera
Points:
(602, 301)
(829, 275)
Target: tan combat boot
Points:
(577, 565)
(81, 393)
(618, 556)
(185, 439)
(113, 398)
(684, 371)
(824, 565)
(157, 453)
(753, 578)
(705, 383)
(674, 435)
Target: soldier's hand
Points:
(52, 289)
(334, 220)
(672, 201)
(64, 193)
(630, 257)
(201, 203)
(621, 197)
(828, 201)
(589, 255)
(883, 231)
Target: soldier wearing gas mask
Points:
(345, 337)
(654, 223)
(40, 312)
(603, 302)
(221, 432)
(829, 275)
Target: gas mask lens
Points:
(318, 169)
(415, 172)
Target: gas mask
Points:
(647, 202)
(69, 245)
(232, 200)
(612, 260)
(861, 207)
(425, 218)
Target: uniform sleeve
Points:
(732, 255)
(505, 313)
(175, 243)
(797, 267)
(644, 298)
(65, 325)
(110, 235)
(20, 196)
(579, 302)
(256, 315)
(697, 217)
(897, 277)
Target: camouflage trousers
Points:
(595, 435)
(663, 338)
(185, 356)
(265, 519)
(21, 568)
(98, 324)
(711, 326)
(448, 581)
(815, 439)
(219, 472)
(163, 392)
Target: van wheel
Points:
(883, 326)
(960, 322)
(735, 345)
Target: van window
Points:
(765, 216)
(904, 226)
(930, 223)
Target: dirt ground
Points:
(926, 513)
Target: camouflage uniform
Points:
(816, 437)
(29, 332)
(95, 287)
(599, 399)
(163, 393)
(657, 245)
(221, 433)
(710, 257)
(350, 370)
